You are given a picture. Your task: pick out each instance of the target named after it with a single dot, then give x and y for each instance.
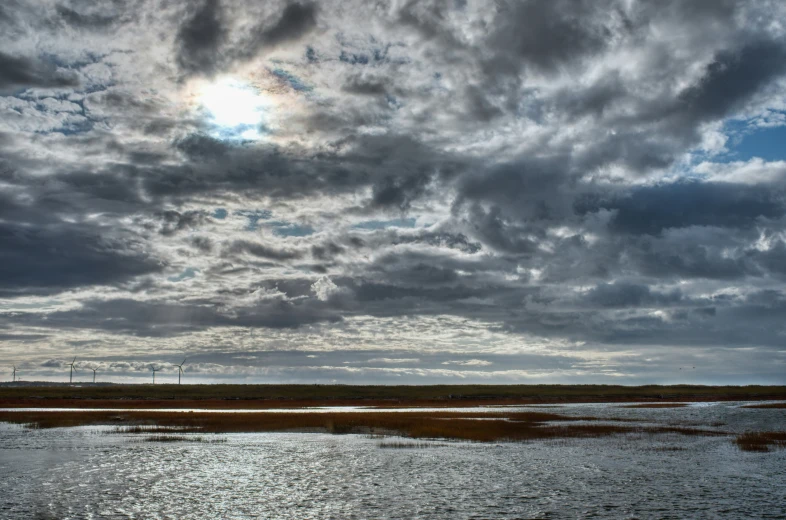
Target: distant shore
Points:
(166, 396)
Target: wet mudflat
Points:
(116, 472)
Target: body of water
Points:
(93, 472)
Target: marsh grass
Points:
(409, 445)
(761, 441)
(495, 426)
(656, 405)
(766, 405)
(184, 438)
(292, 396)
(136, 429)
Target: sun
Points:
(235, 108)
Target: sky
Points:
(529, 191)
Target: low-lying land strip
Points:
(766, 405)
(657, 405)
(469, 426)
(87, 395)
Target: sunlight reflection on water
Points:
(88, 473)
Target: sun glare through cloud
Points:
(235, 108)
(555, 226)
(554, 190)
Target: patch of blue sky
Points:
(97, 87)
(220, 213)
(244, 132)
(290, 229)
(188, 272)
(768, 143)
(393, 102)
(383, 224)
(254, 216)
(353, 59)
(73, 126)
(749, 139)
(293, 81)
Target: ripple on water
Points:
(86, 473)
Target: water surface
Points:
(92, 472)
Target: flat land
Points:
(86, 395)
(152, 410)
(468, 426)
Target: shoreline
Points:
(167, 424)
(262, 397)
(371, 404)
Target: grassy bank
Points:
(267, 396)
(468, 426)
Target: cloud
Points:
(21, 72)
(262, 251)
(296, 20)
(200, 37)
(204, 40)
(629, 295)
(469, 363)
(56, 257)
(652, 209)
(434, 191)
(733, 77)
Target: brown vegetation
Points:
(184, 438)
(761, 441)
(657, 405)
(471, 426)
(294, 396)
(409, 445)
(766, 405)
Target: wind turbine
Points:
(180, 370)
(14, 374)
(94, 374)
(154, 369)
(73, 369)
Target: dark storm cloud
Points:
(652, 209)
(622, 294)
(49, 259)
(200, 37)
(434, 173)
(548, 33)
(398, 169)
(326, 251)
(296, 20)
(592, 100)
(21, 337)
(732, 77)
(90, 19)
(165, 319)
(666, 259)
(262, 251)
(774, 259)
(200, 146)
(22, 72)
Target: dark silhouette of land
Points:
(102, 395)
